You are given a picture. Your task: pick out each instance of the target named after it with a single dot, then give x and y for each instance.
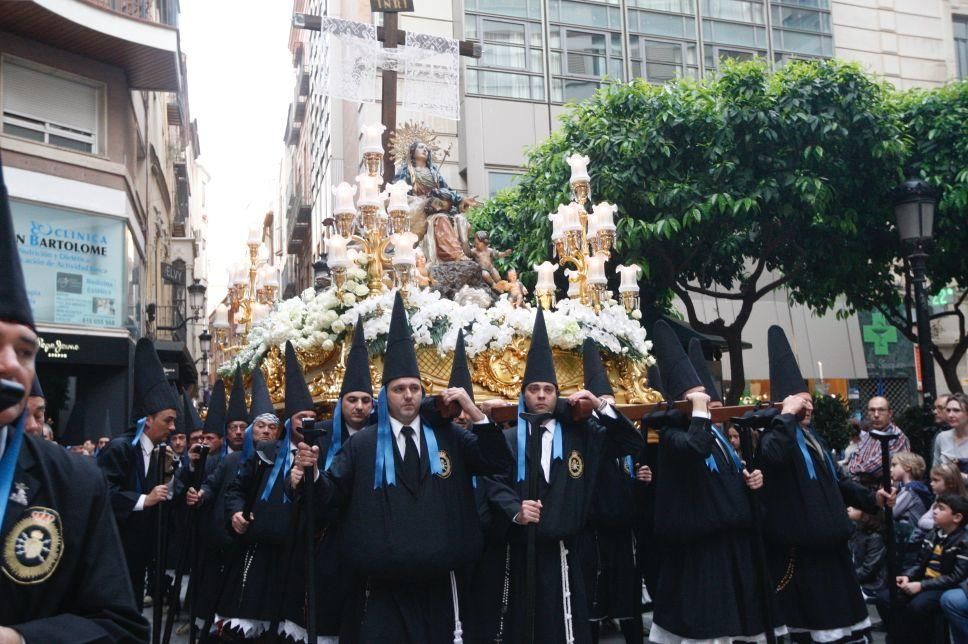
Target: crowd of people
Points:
(431, 519)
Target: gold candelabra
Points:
(252, 293)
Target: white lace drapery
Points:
(349, 52)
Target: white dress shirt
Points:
(3, 442)
(397, 428)
(146, 446)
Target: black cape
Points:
(87, 597)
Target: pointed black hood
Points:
(460, 373)
(596, 380)
(14, 304)
(261, 401)
(36, 391)
(193, 421)
(678, 373)
(152, 393)
(357, 374)
(785, 377)
(298, 397)
(540, 366)
(236, 409)
(655, 380)
(215, 418)
(400, 360)
(181, 420)
(702, 370)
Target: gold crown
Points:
(43, 516)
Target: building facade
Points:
(540, 54)
(99, 153)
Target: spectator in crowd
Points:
(913, 500)
(854, 425)
(940, 411)
(868, 551)
(951, 445)
(732, 434)
(942, 566)
(945, 479)
(864, 465)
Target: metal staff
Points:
(530, 574)
(191, 530)
(262, 464)
(885, 439)
(160, 458)
(767, 588)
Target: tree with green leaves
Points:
(936, 124)
(729, 188)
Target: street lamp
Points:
(914, 205)
(205, 341)
(196, 297)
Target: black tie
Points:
(411, 460)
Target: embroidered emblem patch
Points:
(19, 495)
(576, 465)
(625, 466)
(33, 547)
(445, 468)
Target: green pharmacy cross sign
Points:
(880, 334)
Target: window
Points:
(659, 61)
(961, 45)
(49, 108)
(585, 57)
(498, 180)
(802, 28)
(511, 64)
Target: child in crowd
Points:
(943, 565)
(913, 500)
(868, 551)
(945, 479)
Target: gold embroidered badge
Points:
(445, 469)
(33, 547)
(576, 465)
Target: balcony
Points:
(293, 127)
(302, 80)
(137, 36)
(298, 219)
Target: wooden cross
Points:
(390, 35)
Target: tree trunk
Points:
(949, 367)
(737, 370)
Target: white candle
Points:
(221, 319)
(255, 236)
(372, 137)
(398, 196)
(596, 269)
(630, 278)
(579, 167)
(240, 273)
(336, 251)
(820, 369)
(344, 193)
(569, 217)
(556, 222)
(546, 275)
(259, 311)
(369, 190)
(573, 287)
(271, 278)
(604, 214)
(403, 249)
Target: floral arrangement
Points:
(323, 320)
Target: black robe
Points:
(255, 588)
(608, 547)
(704, 525)
(123, 467)
(87, 597)
(405, 540)
(566, 503)
(339, 592)
(807, 531)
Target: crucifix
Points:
(390, 35)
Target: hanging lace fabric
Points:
(431, 76)
(348, 56)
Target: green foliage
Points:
(830, 419)
(917, 424)
(722, 181)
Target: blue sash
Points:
(522, 433)
(8, 464)
(386, 469)
(727, 447)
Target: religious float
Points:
(414, 237)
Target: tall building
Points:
(540, 54)
(99, 152)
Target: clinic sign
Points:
(73, 264)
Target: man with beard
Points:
(410, 520)
(572, 452)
